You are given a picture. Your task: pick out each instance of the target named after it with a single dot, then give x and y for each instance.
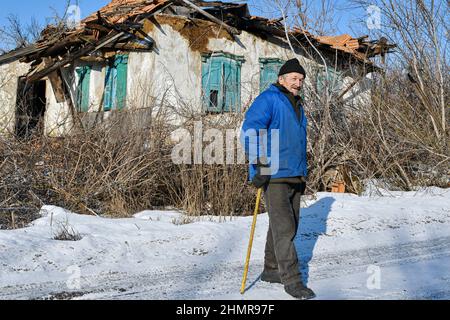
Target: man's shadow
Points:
(313, 223)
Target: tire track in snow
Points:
(208, 281)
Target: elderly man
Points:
(274, 132)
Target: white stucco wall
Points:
(359, 95)
(96, 86)
(9, 76)
(57, 117)
(174, 70)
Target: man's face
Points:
(293, 82)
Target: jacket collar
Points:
(278, 87)
(281, 88)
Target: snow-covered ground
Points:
(394, 246)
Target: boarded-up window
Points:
(82, 90)
(221, 82)
(116, 84)
(269, 69)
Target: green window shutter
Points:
(334, 79)
(221, 83)
(321, 82)
(116, 84)
(228, 80)
(110, 77)
(121, 84)
(237, 107)
(82, 91)
(269, 72)
(232, 94)
(337, 81)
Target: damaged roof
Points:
(119, 11)
(119, 26)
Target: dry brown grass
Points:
(116, 170)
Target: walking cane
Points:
(252, 233)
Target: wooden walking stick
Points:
(252, 233)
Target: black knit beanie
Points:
(292, 66)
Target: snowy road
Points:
(395, 246)
(339, 276)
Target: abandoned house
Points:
(213, 57)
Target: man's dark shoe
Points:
(299, 291)
(271, 276)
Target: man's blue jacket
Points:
(272, 130)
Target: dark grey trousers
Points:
(283, 204)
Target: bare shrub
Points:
(65, 232)
(398, 133)
(217, 188)
(117, 168)
(104, 170)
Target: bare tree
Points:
(327, 143)
(420, 29)
(18, 35)
(412, 96)
(400, 134)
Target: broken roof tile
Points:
(119, 11)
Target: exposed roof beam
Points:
(18, 53)
(84, 51)
(230, 29)
(87, 49)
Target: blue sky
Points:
(345, 18)
(43, 9)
